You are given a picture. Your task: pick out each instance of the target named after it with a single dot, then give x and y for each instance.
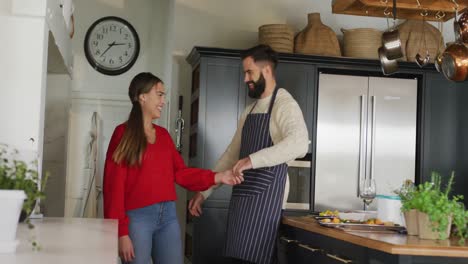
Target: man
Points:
(271, 132)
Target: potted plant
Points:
(406, 193)
(436, 209)
(19, 190)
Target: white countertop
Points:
(67, 240)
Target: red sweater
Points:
(127, 188)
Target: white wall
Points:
(55, 142)
(161, 39)
(32, 7)
(22, 82)
(5, 7)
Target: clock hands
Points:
(110, 45)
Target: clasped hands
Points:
(231, 177)
(235, 175)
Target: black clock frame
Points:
(94, 64)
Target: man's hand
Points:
(241, 166)
(195, 204)
(126, 252)
(227, 177)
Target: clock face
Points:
(111, 45)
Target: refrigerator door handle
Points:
(374, 103)
(361, 136)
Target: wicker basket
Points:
(412, 42)
(361, 43)
(279, 37)
(317, 38)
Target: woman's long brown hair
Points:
(133, 143)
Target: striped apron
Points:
(255, 207)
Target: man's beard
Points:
(258, 87)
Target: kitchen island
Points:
(303, 240)
(66, 240)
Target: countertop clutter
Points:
(391, 243)
(66, 240)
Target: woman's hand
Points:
(227, 177)
(195, 204)
(126, 252)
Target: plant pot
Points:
(425, 227)
(23, 216)
(411, 220)
(11, 202)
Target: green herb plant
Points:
(430, 198)
(406, 193)
(18, 175)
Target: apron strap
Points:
(272, 102)
(253, 107)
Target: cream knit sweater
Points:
(288, 132)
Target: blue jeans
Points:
(155, 234)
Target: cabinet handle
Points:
(338, 258)
(287, 240)
(309, 248)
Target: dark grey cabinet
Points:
(445, 130)
(219, 101)
(461, 178)
(209, 234)
(219, 97)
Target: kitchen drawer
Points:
(293, 252)
(323, 249)
(296, 252)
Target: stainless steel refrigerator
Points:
(366, 127)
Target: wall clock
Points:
(111, 45)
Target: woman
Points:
(141, 168)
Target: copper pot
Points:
(455, 62)
(388, 66)
(463, 27)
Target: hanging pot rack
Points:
(406, 9)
